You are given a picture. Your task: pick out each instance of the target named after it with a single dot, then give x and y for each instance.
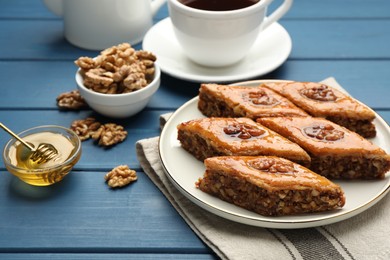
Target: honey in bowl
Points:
(17, 157)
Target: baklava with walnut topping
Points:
(335, 151)
(320, 100)
(269, 185)
(208, 137)
(240, 101)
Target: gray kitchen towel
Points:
(365, 236)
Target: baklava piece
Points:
(320, 100)
(240, 101)
(269, 185)
(335, 151)
(214, 136)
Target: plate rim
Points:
(267, 223)
(218, 79)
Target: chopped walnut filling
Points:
(243, 131)
(119, 69)
(364, 127)
(71, 100)
(321, 93)
(350, 167)
(120, 176)
(324, 133)
(268, 203)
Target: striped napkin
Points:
(365, 236)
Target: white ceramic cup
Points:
(99, 24)
(221, 38)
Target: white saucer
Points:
(264, 57)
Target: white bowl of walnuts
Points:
(119, 82)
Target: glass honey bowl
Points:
(17, 159)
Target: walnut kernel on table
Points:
(85, 128)
(110, 134)
(71, 100)
(118, 69)
(106, 134)
(120, 176)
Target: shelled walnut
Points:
(118, 69)
(272, 166)
(120, 176)
(110, 134)
(320, 93)
(260, 97)
(71, 100)
(86, 63)
(106, 134)
(324, 133)
(85, 128)
(242, 131)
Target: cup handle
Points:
(156, 5)
(278, 13)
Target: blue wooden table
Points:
(81, 217)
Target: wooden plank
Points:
(301, 9)
(82, 214)
(36, 39)
(36, 10)
(114, 256)
(144, 125)
(94, 157)
(334, 9)
(385, 115)
(317, 39)
(366, 80)
(24, 9)
(339, 39)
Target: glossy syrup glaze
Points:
(320, 137)
(253, 101)
(321, 100)
(224, 133)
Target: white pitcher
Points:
(99, 24)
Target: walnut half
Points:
(323, 133)
(110, 134)
(85, 128)
(106, 134)
(319, 93)
(71, 100)
(242, 131)
(120, 176)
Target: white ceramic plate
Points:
(184, 170)
(271, 49)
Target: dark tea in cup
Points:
(218, 5)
